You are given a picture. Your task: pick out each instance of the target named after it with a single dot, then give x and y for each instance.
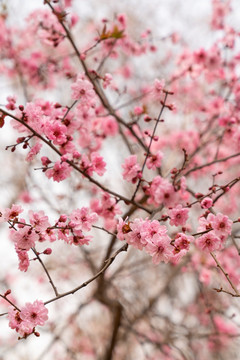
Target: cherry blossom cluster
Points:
(152, 237)
(25, 236)
(218, 228)
(176, 142)
(25, 320)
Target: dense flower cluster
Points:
(165, 191)
(30, 316)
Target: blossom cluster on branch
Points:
(172, 203)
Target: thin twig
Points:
(224, 273)
(107, 264)
(46, 271)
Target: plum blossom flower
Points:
(59, 172)
(23, 260)
(10, 214)
(154, 161)
(25, 238)
(222, 225)
(134, 237)
(209, 242)
(161, 191)
(82, 89)
(182, 241)
(34, 116)
(107, 80)
(108, 208)
(11, 105)
(82, 219)
(160, 248)
(35, 313)
(177, 255)
(79, 239)
(34, 151)
(123, 227)
(205, 224)
(38, 220)
(178, 215)
(98, 164)
(14, 319)
(150, 228)
(220, 10)
(25, 329)
(109, 126)
(56, 132)
(31, 315)
(158, 88)
(206, 203)
(131, 169)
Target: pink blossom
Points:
(205, 276)
(98, 163)
(14, 319)
(160, 248)
(108, 208)
(79, 239)
(178, 215)
(56, 132)
(182, 241)
(107, 80)
(59, 172)
(83, 219)
(38, 220)
(220, 10)
(209, 242)
(34, 116)
(206, 203)
(11, 105)
(45, 161)
(222, 225)
(138, 110)
(82, 89)
(16, 322)
(109, 126)
(25, 329)
(63, 233)
(154, 161)
(122, 229)
(86, 165)
(122, 18)
(10, 214)
(205, 224)
(23, 260)
(35, 314)
(25, 197)
(131, 169)
(134, 237)
(177, 255)
(161, 192)
(34, 151)
(158, 88)
(224, 327)
(150, 228)
(25, 238)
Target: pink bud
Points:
(7, 292)
(47, 251)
